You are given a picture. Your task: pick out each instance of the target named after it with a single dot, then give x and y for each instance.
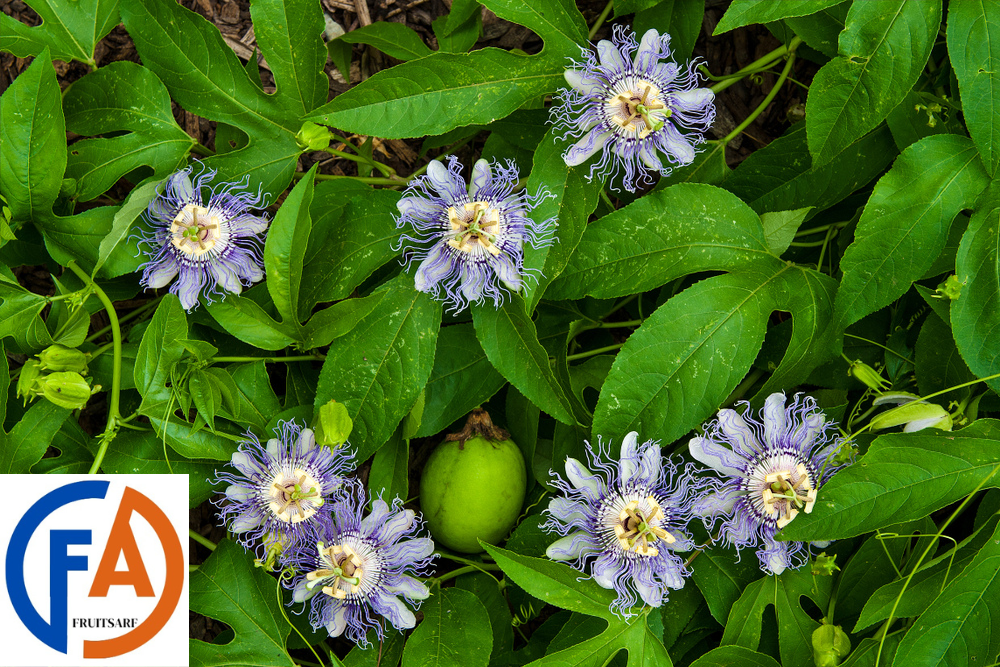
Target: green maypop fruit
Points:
(333, 425)
(472, 486)
(61, 358)
(830, 645)
(66, 389)
(313, 137)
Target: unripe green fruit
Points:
(473, 489)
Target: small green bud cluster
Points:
(830, 645)
(334, 425)
(57, 375)
(313, 137)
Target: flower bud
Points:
(61, 358)
(66, 389)
(914, 413)
(868, 375)
(334, 425)
(830, 645)
(26, 381)
(951, 288)
(824, 565)
(313, 137)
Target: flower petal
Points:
(591, 142)
(571, 547)
(238, 493)
(444, 181)
(652, 48)
(628, 464)
(394, 609)
(716, 503)
(419, 208)
(226, 277)
(245, 522)
(481, 176)
(396, 526)
(583, 81)
(409, 587)
(567, 511)
(775, 419)
(409, 551)
(738, 433)
(437, 265)
(338, 622)
(610, 56)
(717, 456)
(692, 100)
(578, 475)
(160, 273)
(380, 510)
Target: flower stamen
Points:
(633, 106)
(193, 230)
(476, 223)
(344, 566)
(287, 494)
(638, 528)
(784, 497)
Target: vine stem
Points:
(770, 96)
(286, 360)
(761, 63)
(202, 540)
(601, 19)
(116, 369)
(958, 510)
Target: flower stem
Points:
(146, 307)
(286, 360)
(484, 568)
(601, 19)
(871, 342)
(111, 429)
(761, 63)
(203, 541)
(591, 353)
(770, 96)
(385, 169)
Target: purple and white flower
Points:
(354, 568)
(282, 487)
(211, 248)
(469, 240)
(769, 471)
(633, 109)
(626, 521)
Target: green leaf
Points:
(746, 12)
(256, 401)
(20, 317)
(130, 103)
(910, 121)
(159, 351)
(349, 241)
(141, 453)
(687, 357)
(461, 379)
(455, 632)
(782, 175)
(670, 233)
(378, 369)
(388, 478)
(795, 626)
(74, 457)
(26, 443)
(133, 207)
(681, 19)
(32, 141)
(903, 477)
(822, 29)
(780, 228)
(461, 11)
(247, 321)
(962, 626)
(938, 364)
(70, 29)
(462, 38)
(911, 209)
(721, 578)
(509, 338)
(285, 249)
(408, 100)
(882, 50)
(289, 33)
(393, 39)
(190, 443)
(228, 587)
(734, 656)
(574, 198)
(558, 22)
(204, 76)
(337, 320)
(911, 597)
(974, 316)
(974, 50)
(555, 583)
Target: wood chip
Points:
(403, 9)
(345, 5)
(361, 7)
(244, 52)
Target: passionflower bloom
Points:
(469, 241)
(354, 568)
(211, 248)
(625, 521)
(282, 487)
(769, 471)
(633, 108)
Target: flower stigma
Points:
(343, 573)
(638, 527)
(475, 223)
(640, 101)
(288, 496)
(786, 492)
(192, 230)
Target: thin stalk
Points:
(761, 63)
(126, 318)
(273, 360)
(116, 368)
(202, 540)
(871, 342)
(384, 169)
(485, 568)
(591, 353)
(201, 150)
(770, 96)
(601, 19)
